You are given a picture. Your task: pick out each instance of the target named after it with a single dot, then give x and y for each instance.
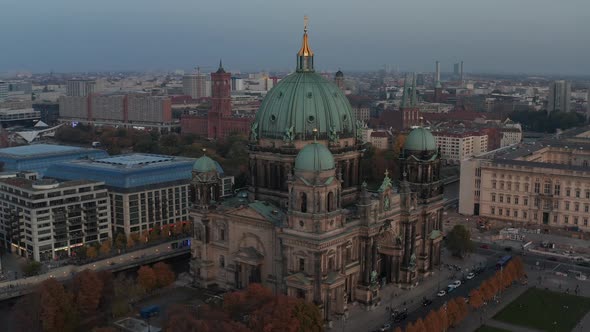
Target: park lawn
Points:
(485, 328)
(539, 309)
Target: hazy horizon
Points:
(532, 36)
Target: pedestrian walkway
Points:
(508, 327)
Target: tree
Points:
(130, 242)
(475, 299)
(459, 241)
(443, 318)
(453, 313)
(410, 327)
(105, 247)
(398, 329)
(518, 267)
(463, 310)
(31, 268)
(308, 316)
(58, 312)
(120, 241)
(164, 274)
(432, 322)
(26, 313)
(104, 329)
(146, 278)
(91, 252)
(487, 290)
(419, 326)
(88, 288)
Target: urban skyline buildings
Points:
(559, 96)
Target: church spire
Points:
(405, 93)
(414, 101)
(305, 54)
(220, 69)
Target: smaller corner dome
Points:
(420, 139)
(205, 164)
(339, 73)
(314, 157)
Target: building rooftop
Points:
(42, 185)
(126, 171)
(37, 150)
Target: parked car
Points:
(426, 302)
(484, 246)
(508, 248)
(400, 317)
(441, 293)
(470, 276)
(385, 327)
(456, 283)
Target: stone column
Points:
(347, 177)
(367, 259)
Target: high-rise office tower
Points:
(3, 90)
(80, 87)
(559, 96)
(461, 71)
(195, 85)
(456, 68)
(437, 73)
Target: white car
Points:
(470, 276)
(456, 283)
(441, 293)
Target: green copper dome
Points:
(314, 157)
(204, 164)
(420, 139)
(304, 101)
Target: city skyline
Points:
(491, 38)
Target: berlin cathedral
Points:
(308, 226)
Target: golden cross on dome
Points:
(386, 173)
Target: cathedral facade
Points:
(308, 226)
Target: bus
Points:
(503, 261)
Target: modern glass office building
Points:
(146, 191)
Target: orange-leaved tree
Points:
(58, 312)
(146, 278)
(87, 287)
(164, 274)
(475, 299)
(432, 322)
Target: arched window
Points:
(303, 202)
(330, 202)
(221, 261)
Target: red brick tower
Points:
(220, 102)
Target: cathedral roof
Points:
(420, 139)
(205, 164)
(314, 157)
(304, 101)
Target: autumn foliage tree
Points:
(146, 278)
(253, 309)
(475, 299)
(58, 312)
(105, 247)
(91, 252)
(431, 321)
(164, 274)
(87, 287)
(443, 318)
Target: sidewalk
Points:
(359, 319)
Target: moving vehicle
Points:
(426, 302)
(503, 261)
(401, 316)
(441, 293)
(149, 311)
(456, 283)
(385, 327)
(470, 276)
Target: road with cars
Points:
(493, 253)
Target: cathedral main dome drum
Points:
(302, 102)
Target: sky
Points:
(490, 36)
